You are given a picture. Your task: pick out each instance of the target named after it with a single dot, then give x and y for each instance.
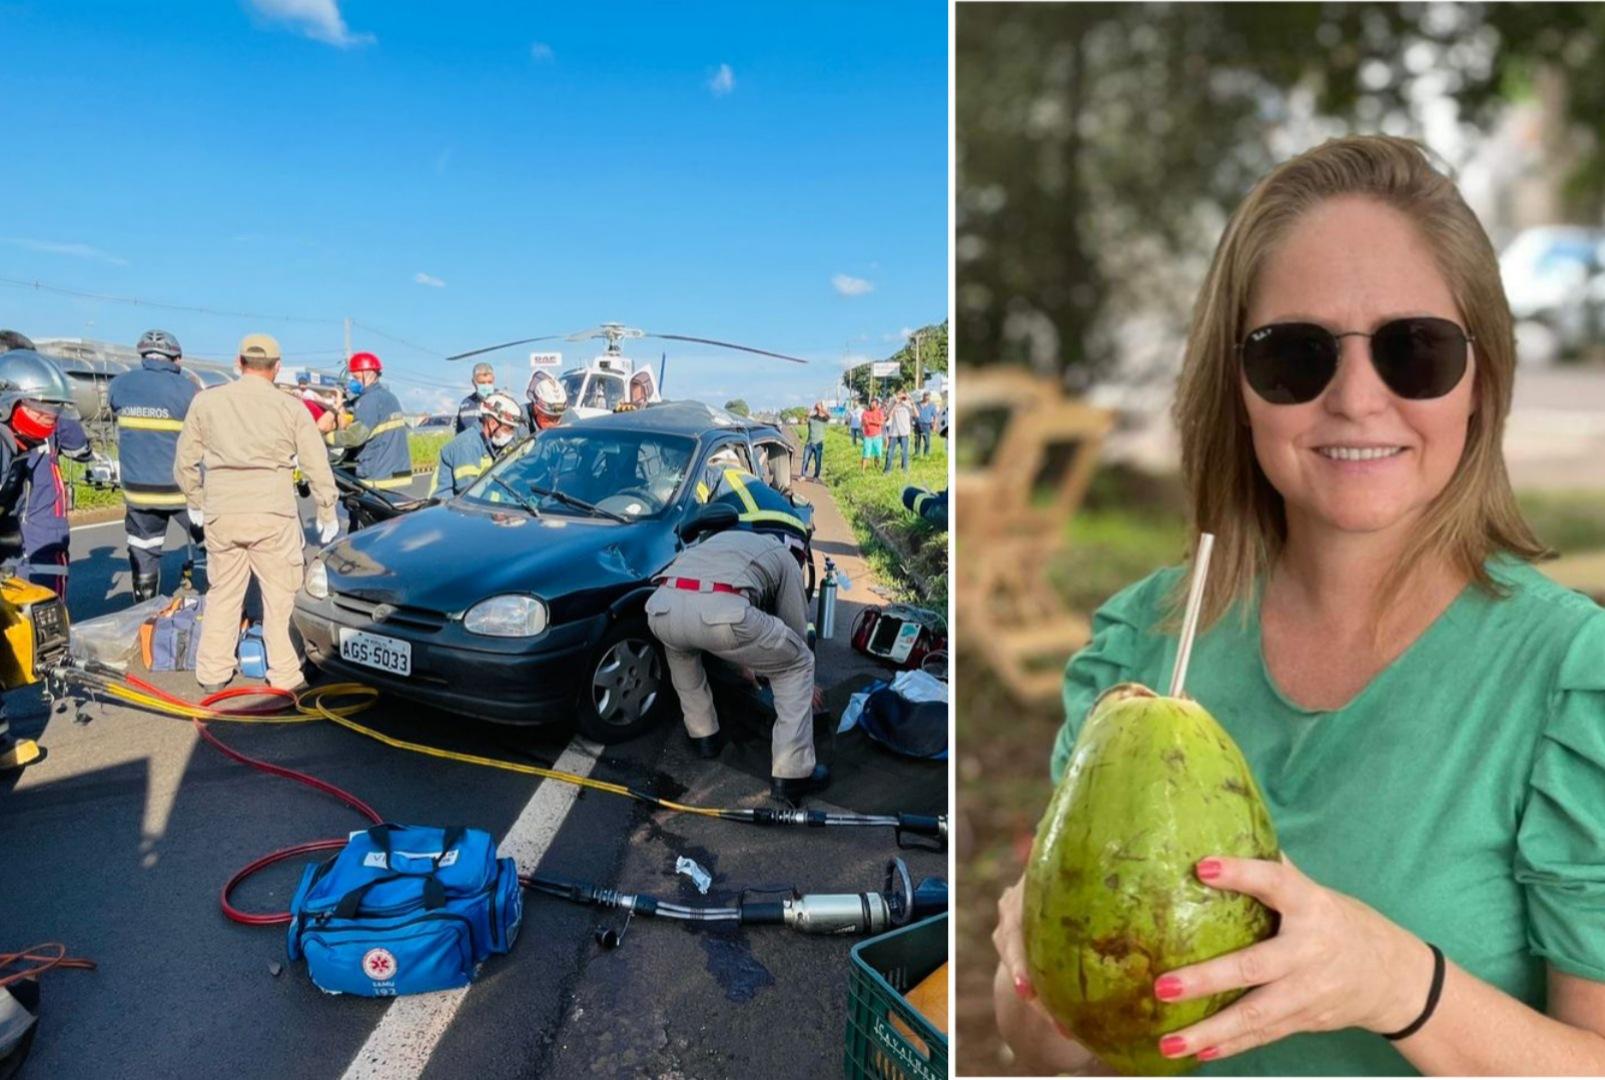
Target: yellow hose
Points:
(310, 706)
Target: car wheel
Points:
(628, 685)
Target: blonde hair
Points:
(1476, 515)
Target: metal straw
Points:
(1195, 603)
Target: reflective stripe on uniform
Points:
(149, 423)
(702, 492)
(389, 425)
(471, 469)
(734, 478)
(149, 543)
(390, 483)
(44, 569)
(153, 498)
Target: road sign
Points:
(545, 359)
(885, 368)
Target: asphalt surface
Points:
(119, 841)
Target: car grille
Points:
(397, 615)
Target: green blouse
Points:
(1461, 793)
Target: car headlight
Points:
(317, 583)
(506, 616)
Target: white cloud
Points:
(77, 251)
(541, 51)
(723, 81)
(848, 285)
(425, 279)
(319, 20)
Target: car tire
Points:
(626, 690)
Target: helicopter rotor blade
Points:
(730, 345)
(504, 345)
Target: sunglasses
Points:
(1292, 363)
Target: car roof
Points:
(693, 418)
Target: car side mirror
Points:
(710, 517)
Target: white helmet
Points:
(501, 407)
(547, 398)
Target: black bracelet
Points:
(1432, 997)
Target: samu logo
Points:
(379, 965)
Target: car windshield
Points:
(628, 473)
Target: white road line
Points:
(405, 1037)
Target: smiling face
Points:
(1357, 459)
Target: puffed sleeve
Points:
(1560, 843)
(1118, 629)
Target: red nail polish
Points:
(1209, 869)
(1172, 1045)
(1023, 989)
(1168, 988)
(1208, 1053)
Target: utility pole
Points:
(919, 372)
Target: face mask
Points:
(28, 429)
(484, 390)
(354, 387)
(501, 439)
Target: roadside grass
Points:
(908, 553)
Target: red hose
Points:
(209, 702)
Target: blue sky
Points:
(454, 175)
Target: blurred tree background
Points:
(932, 343)
(1102, 145)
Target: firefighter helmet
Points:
(159, 343)
(502, 408)
(27, 376)
(548, 400)
(364, 361)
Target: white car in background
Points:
(1554, 278)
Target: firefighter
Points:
(376, 438)
(547, 401)
(33, 393)
(468, 410)
(150, 404)
(468, 455)
(739, 594)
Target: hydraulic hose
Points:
(309, 706)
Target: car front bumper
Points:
(506, 680)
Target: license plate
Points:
(376, 651)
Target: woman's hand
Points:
(1039, 1042)
(1334, 963)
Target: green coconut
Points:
(1111, 899)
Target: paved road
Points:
(118, 842)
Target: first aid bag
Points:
(405, 909)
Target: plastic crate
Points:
(884, 969)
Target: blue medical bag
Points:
(253, 653)
(405, 909)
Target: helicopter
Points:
(612, 380)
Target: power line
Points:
(137, 302)
(436, 353)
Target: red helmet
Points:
(364, 361)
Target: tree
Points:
(1100, 147)
(738, 407)
(932, 359)
(794, 415)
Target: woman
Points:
(1423, 710)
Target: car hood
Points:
(448, 558)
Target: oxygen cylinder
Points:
(826, 618)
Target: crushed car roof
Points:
(674, 417)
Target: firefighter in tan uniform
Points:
(250, 437)
(739, 594)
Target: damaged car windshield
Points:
(630, 474)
